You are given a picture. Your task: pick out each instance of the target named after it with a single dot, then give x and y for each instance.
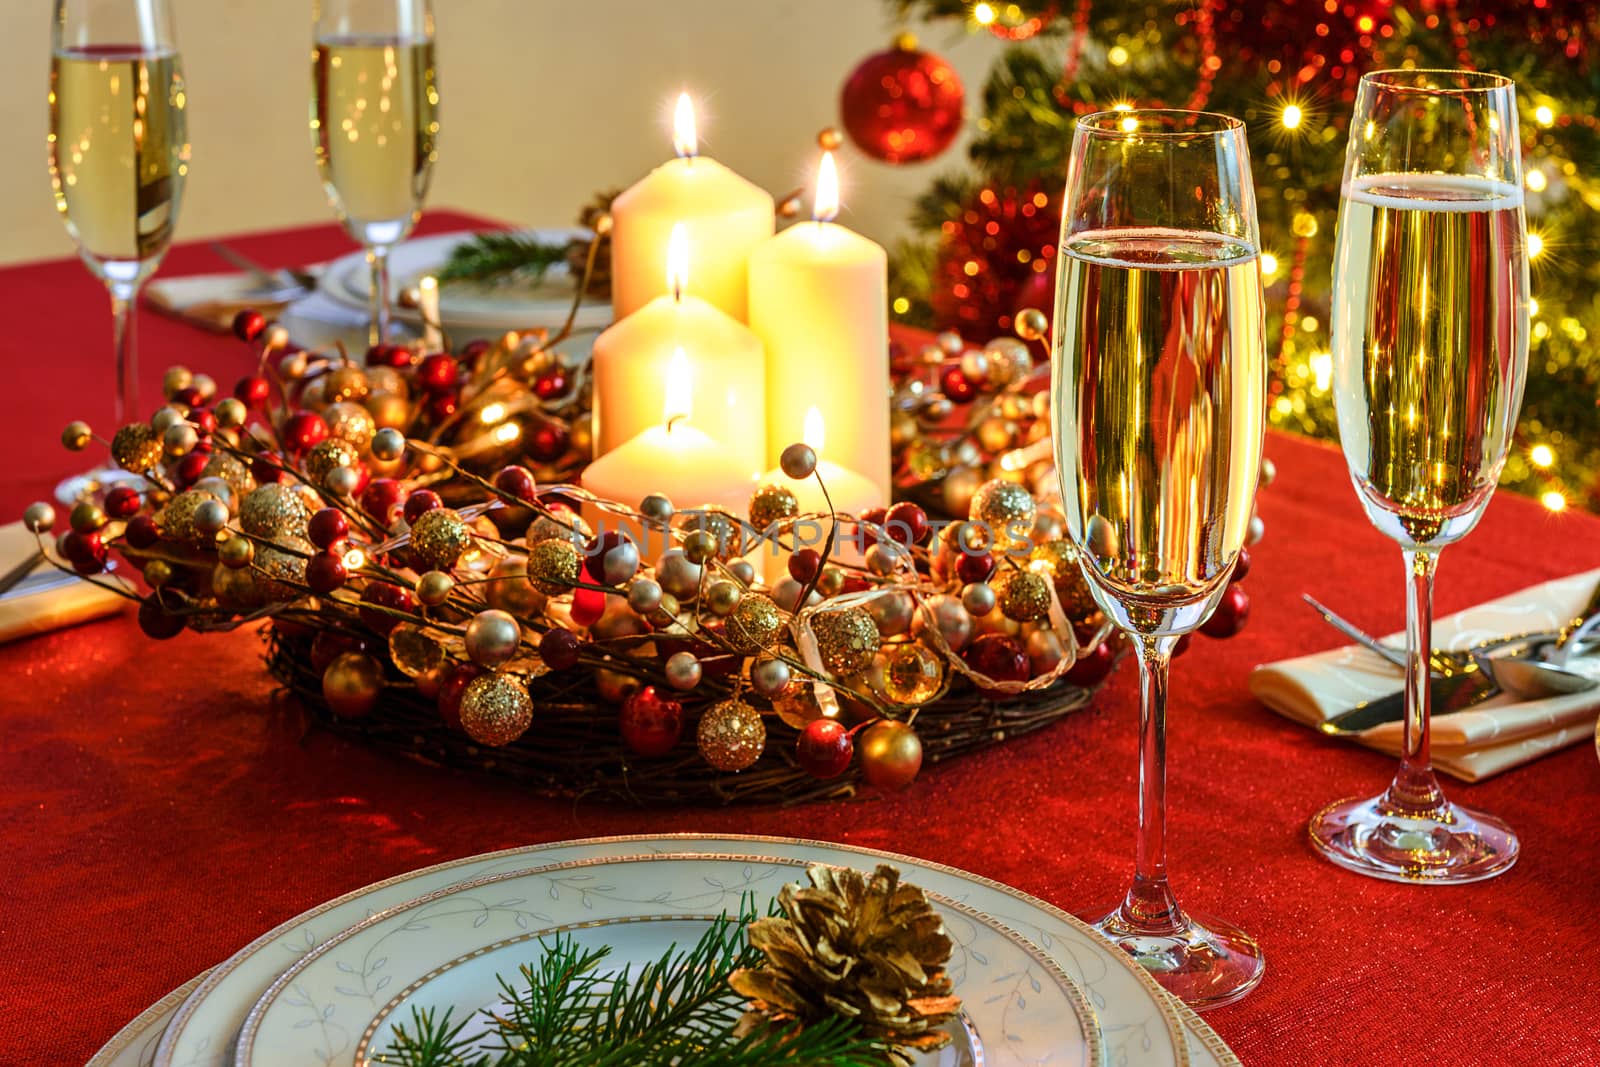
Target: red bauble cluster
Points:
(902, 105)
(995, 258)
(650, 725)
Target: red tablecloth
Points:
(158, 810)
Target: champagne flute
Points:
(374, 121)
(1430, 352)
(119, 151)
(1158, 410)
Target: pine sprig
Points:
(499, 257)
(676, 1011)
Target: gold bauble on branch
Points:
(177, 520)
(137, 448)
(273, 511)
(439, 537)
(554, 566)
(496, 709)
(327, 456)
(754, 624)
(1058, 561)
(234, 587)
(344, 383)
(1006, 510)
(352, 683)
(891, 754)
(731, 735)
(772, 503)
(231, 469)
(847, 639)
(1022, 595)
(277, 565)
(351, 423)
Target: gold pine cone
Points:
(868, 948)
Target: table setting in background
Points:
(628, 642)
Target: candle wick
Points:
(673, 420)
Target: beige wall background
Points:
(543, 103)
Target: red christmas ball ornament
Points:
(551, 384)
(381, 498)
(156, 622)
(437, 373)
(327, 526)
(386, 595)
(452, 688)
(123, 502)
(559, 649)
(956, 385)
(248, 324)
(267, 468)
(253, 391)
(517, 483)
(91, 557)
(907, 523)
(442, 405)
(187, 397)
(189, 469)
(824, 749)
(872, 517)
(902, 105)
(548, 441)
(1230, 614)
(650, 725)
(303, 431)
(1092, 665)
(587, 606)
(473, 352)
(326, 572)
(397, 356)
(974, 567)
(804, 565)
(1241, 566)
(420, 502)
(141, 532)
(1000, 657)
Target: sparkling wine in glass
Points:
(1430, 352)
(1158, 410)
(374, 124)
(119, 151)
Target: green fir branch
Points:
(676, 1011)
(501, 257)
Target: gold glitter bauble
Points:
(274, 510)
(352, 683)
(138, 448)
(327, 456)
(754, 624)
(413, 650)
(344, 383)
(1032, 324)
(350, 423)
(847, 639)
(575, 532)
(438, 538)
(731, 735)
(385, 380)
(232, 470)
(1058, 561)
(772, 503)
(554, 566)
(496, 709)
(1023, 596)
(274, 569)
(234, 588)
(177, 518)
(912, 674)
(1007, 510)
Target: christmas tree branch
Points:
(496, 257)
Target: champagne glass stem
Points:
(1150, 905)
(124, 297)
(1415, 791)
(378, 260)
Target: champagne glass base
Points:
(1205, 963)
(94, 484)
(1448, 845)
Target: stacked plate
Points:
(329, 986)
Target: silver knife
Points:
(1455, 693)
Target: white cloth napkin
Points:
(1472, 744)
(47, 599)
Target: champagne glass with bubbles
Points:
(1430, 352)
(374, 124)
(1158, 408)
(119, 153)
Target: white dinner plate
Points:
(135, 1044)
(1021, 1007)
(512, 305)
(1139, 1022)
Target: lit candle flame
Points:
(825, 208)
(679, 390)
(813, 431)
(678, 261)
(685, 140)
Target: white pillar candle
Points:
(851, 493)
(673, 457)
(725, 215)
(428, 308)
(819, 296)
(728, 368)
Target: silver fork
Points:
(1443, 662)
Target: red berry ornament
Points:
(326, 527)
(437, 373)
(974, 567)
(442, 405)
(804, 565)
(824, 749)
(248, 324)
(303, 431)
(1000, 657)
(452, 689)
(907, 523)
(551, 384)
(650, 725)
(141, 532)
(156, 622)
(381, 498)
(387, 595)
(559, 650)
(1092, 665)
(1241, 566)
(902, 105)
(123, 502)
(957, 386)
(517, 483)
(587, 606)
(1230, 615)
(267, 468)
(190, 468)
(420, 502)
(326, 572)
(548, 442)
